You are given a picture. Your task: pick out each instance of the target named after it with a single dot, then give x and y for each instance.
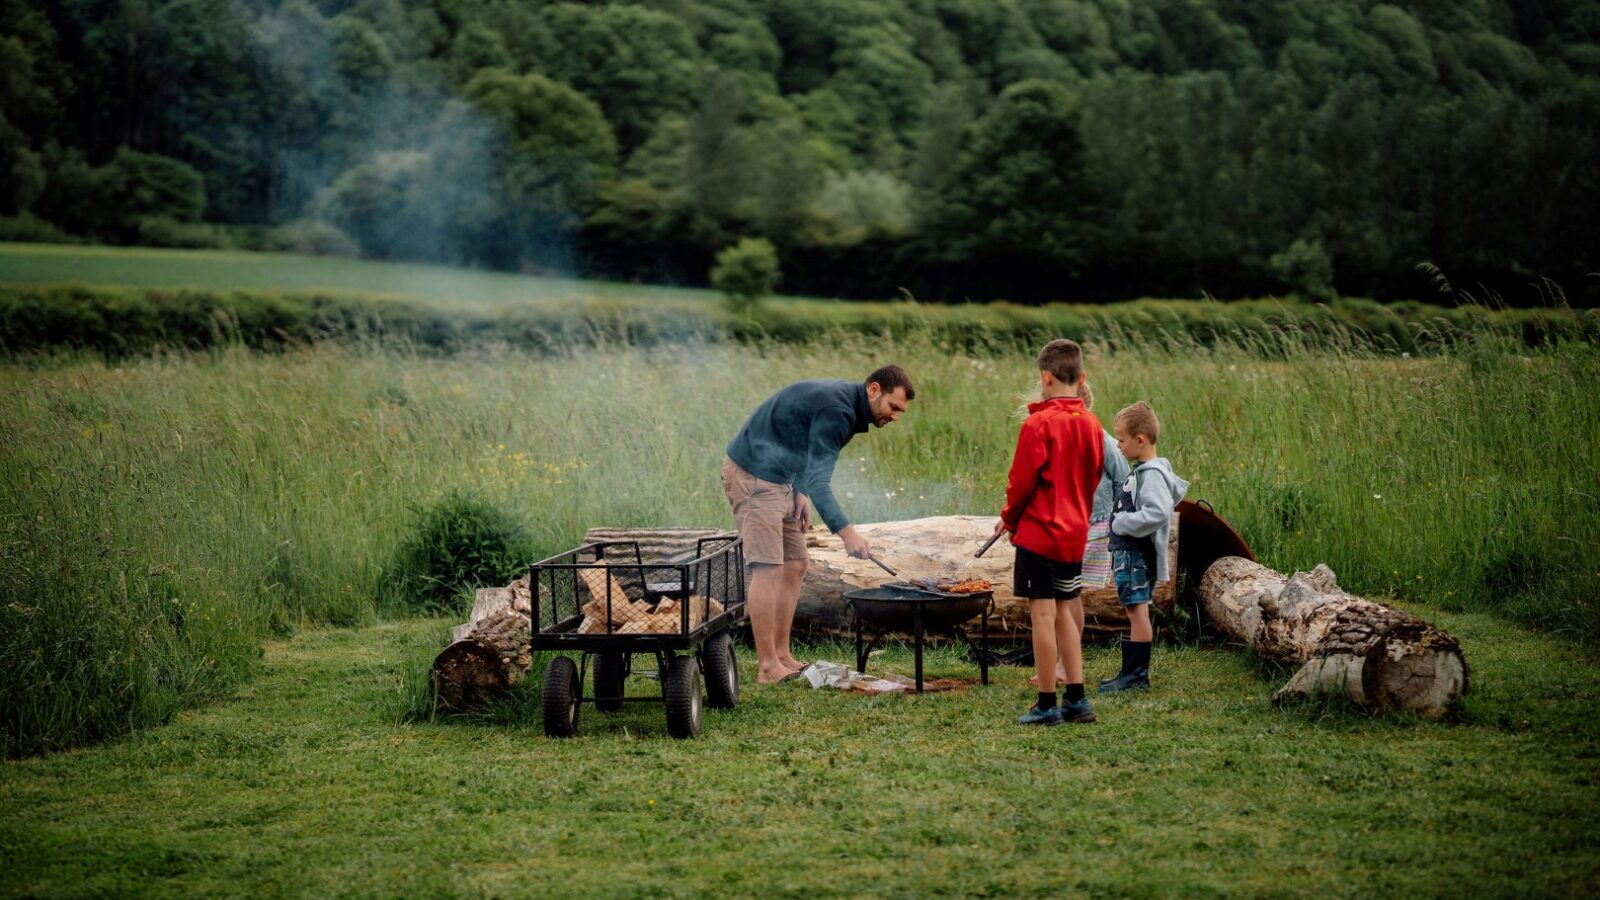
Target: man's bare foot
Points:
(794, 665)
(1061, 677)
(775, 674)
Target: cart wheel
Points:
(561, 695)
(722, 673)
(681, 693)
(610, 672)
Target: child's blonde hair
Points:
(1138, 418)
(1086, 394)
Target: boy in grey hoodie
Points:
(1141, 519)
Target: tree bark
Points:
(490, 652)
(1378, 656)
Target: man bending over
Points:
(784, 454)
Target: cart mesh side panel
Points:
(612, 588)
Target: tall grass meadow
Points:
(161, 516)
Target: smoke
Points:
(388, 152)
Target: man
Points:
(784, 454)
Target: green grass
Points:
(307, 783)
(230, 270)
(163, 515)
(124, 301)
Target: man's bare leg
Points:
(765, 603)
(794, 574)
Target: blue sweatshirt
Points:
(794, 437)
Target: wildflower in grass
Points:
(1377, 496)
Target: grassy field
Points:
(307, 782)
(165, 514)
(128, 302)
(231, 270)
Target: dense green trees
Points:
(955, 148)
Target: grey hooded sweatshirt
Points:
(1113, 473)
(1156, 492)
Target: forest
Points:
(1032, 150)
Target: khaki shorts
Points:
(763, 512)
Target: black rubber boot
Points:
(1135, 674)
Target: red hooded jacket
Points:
(1054, 473)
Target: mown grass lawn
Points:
(307, 782)
(229, 270)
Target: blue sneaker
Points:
(1079, 713)
(1036, 716)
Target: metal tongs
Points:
(882, 565)
(987, 544)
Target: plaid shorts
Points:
(1131, 569)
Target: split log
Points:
(941, 545)
(1378, 656)
(490, 652)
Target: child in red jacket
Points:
(1049, 495)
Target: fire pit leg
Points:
(917, 626)
(861, 653)
(983, 657)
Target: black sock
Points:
(1047, 700)
(1074, 693)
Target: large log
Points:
(1378, 656)
(489, 652)
(940, 545)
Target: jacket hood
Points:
(1160, 464)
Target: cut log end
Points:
(466, 673)
(1417, 678)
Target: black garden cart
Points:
(603, 603)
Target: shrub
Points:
(160, 231)
(1305, 268)
(139, 186)
(312, 236)
(746, 272)
(28, 228)
(459, 543)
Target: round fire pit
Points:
(908, 609)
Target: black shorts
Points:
(1040, 578)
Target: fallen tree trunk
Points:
(490, 652)
(933, 546)
(1378, 656)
